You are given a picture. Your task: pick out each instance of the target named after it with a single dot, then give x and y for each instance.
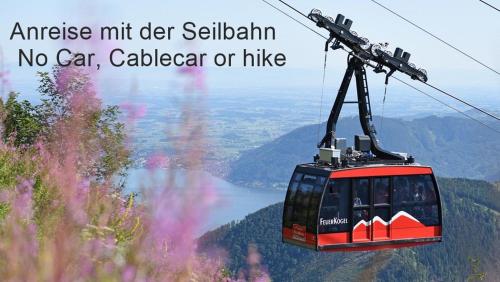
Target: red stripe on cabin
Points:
(416, 233)
(380, 171)
(305, 238)
(334, 238)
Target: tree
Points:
(22, 122)
(68, 97)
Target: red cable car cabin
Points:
(362, 208)
(363, 197)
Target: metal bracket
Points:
(356, 67)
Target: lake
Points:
(233, 202)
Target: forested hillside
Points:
(455, 147)
(469, 250)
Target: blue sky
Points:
(468, 24)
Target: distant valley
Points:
(453, 146)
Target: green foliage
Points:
(476, 274)
(111, 136)
(13, 167)
(4, 210)
(104, 131)
(19, 165)
(46, 211)
(123, 232)
(22, 121)
(23, 124)
(471, 229)
(284, 262)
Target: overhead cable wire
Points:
(293, 8)
(450, 45)
(488, 4)
(438, 38)
(462, 101)
(322, 92)
(405, 83)
(294, 19)
(383, 108)
(447, 105)
(442, 91)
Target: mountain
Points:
(454, 147)
(469, 249)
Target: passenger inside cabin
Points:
(418, 193)
(356, 203)
(418, 198)
(357, 200)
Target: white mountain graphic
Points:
(378, 219)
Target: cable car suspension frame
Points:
(361, 53)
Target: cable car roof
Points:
(369, 170)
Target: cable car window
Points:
(416, 195)
(321, 180)
(401, 192)
(334, 214)
(302, 199)
(291, 192)
(301, 203)
(381, 190)
(297, 177)
(361, 214)
(312, 213)
(309, 178)
(383, 213)
(361, 192)
(290, 198)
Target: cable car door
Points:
(371, 209)
(381, 221)
(361, 210)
